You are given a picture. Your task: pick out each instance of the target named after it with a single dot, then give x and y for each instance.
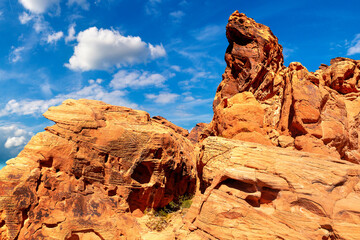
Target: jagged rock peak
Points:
(253, 55)
(93, 174)
(260, 100)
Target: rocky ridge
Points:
(260, 100)
(94, 174)
(85, 175)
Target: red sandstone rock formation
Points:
(260, 100)
(197, 132)
(252, 191)
(93, 174)
(85, 175)
(169, 124)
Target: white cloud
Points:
(1, 14)
(11, 75)
(25, 18)
(39, 6)
(209, 33)
(355, 46)
(103, 49)
(15, 54)
(37, 107)
(177, 15)
(14, 141)
(163, 98)
(82, 3)
(12, 136)
(99, 81)
(157, 51)
(71, 34)
(40, 25)
(196, 76)
(176, 68)
(46, 89)
(287, 52)
(54, 37)
(135, 79)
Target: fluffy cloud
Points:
(355, 46)
(102, 49)
(287, 52)
(12, 139)
(39, 24)
(196, 76)
(14, 142)
(177, 15)
(15, 54)
(156, 51)
(25, 18)
(93, 91)
(135, 79)
(82, 3)
(39, 6)
(54, 37)
(209, 33)
(6, 75)
(163, 98)
(71, 34)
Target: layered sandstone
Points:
(253, 191)
(260, 100)
(197, 133)
(95, 172)
(84, 176)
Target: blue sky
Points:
(161, 56)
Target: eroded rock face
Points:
(92, 174)
(198, 132)
(169, 124)
(253, 191)
(82, 177)
(253, 55)
(260, 100)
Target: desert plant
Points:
(159, 219)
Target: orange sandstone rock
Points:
(252, 191)
(319, 109)
(82, 177)
(94, 173)
(198, 132)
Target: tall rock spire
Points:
(253, 57)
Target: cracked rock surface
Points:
(260, 100)
(280, 159)
(253, 191)
(84, 176)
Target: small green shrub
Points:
(185, 202)
(159, 219)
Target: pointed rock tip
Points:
(236, 15)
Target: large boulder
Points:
(253, 191)
(319, 110)
(83, 177)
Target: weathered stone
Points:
(252, 191)
(294, 101)
(94, 173)
(82, 178)
(169, 124)
(198, 132)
